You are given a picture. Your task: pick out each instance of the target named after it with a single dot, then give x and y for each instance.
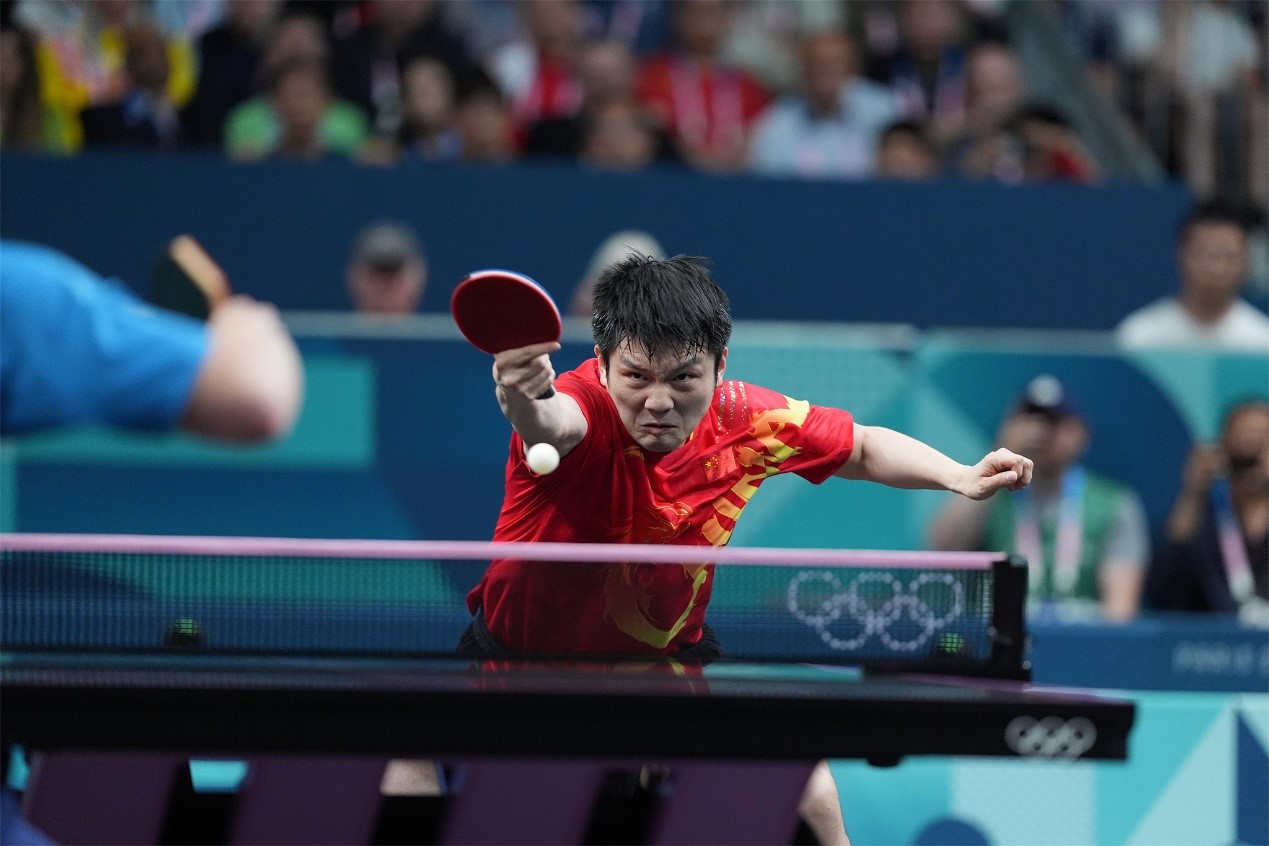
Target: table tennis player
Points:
(76, 349)
(658, 447)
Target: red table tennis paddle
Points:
(498, 310)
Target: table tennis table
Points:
(538, 736)
(530, 742)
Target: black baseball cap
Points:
(1046, 395)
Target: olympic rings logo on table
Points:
(874, 615)
(1051, 737)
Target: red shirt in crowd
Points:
(608, 490)
(707, 107)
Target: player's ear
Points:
(722, 366)
(603, 367)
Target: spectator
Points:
(145, 117)
(24, 122)
(537, 74)
(706, 106)
(994, 94)
(254, 128)
(620, 137)
(1207, 312)
(1051, 149)
(832, 129)
(605, 71)
(906, 152)
(367, 65)
(428, 130)
(230, 60)
(643, 26)
(615, 247)
(81, 57)
(484, 122)
(927, 71)
(300, 97)
(387, 272)
(1214, 59)
(1216, 551)
(766, 37)
(1084, 536)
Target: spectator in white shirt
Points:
(831, 130)
(1207, 312)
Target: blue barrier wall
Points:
(940, 254)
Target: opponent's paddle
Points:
(186, 279)
(499, 310)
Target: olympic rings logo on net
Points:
(888, 601)
(1051, 737)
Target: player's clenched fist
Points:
(999, 469)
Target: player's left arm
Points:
(899, 461)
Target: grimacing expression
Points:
(661, 400)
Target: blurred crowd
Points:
(904, 89)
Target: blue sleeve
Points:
(75, 348)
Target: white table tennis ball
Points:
(542, 458)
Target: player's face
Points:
(662, 399)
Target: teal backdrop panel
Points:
(1203, 386)
(1195, 759)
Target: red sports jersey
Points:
(608, 490)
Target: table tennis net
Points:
(903, 610)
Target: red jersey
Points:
(709, 107)
(608, 490)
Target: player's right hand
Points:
(525, 372)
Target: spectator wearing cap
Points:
(387, 272)
(1084, 536)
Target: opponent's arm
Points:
(521, 376)
(251, 383)
(892, 458)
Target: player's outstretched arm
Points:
(895, 459)
(251, 383)
(523, 375)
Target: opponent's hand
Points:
(999, 469)
(526, 372)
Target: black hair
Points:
(1044, 113)
(662, 305)
(911, 129)
(1214, 213)
(476, 84)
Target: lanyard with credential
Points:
(1070, 532)
(1233, 551)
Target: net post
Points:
(1009, 639)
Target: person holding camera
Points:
(1215, 555)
